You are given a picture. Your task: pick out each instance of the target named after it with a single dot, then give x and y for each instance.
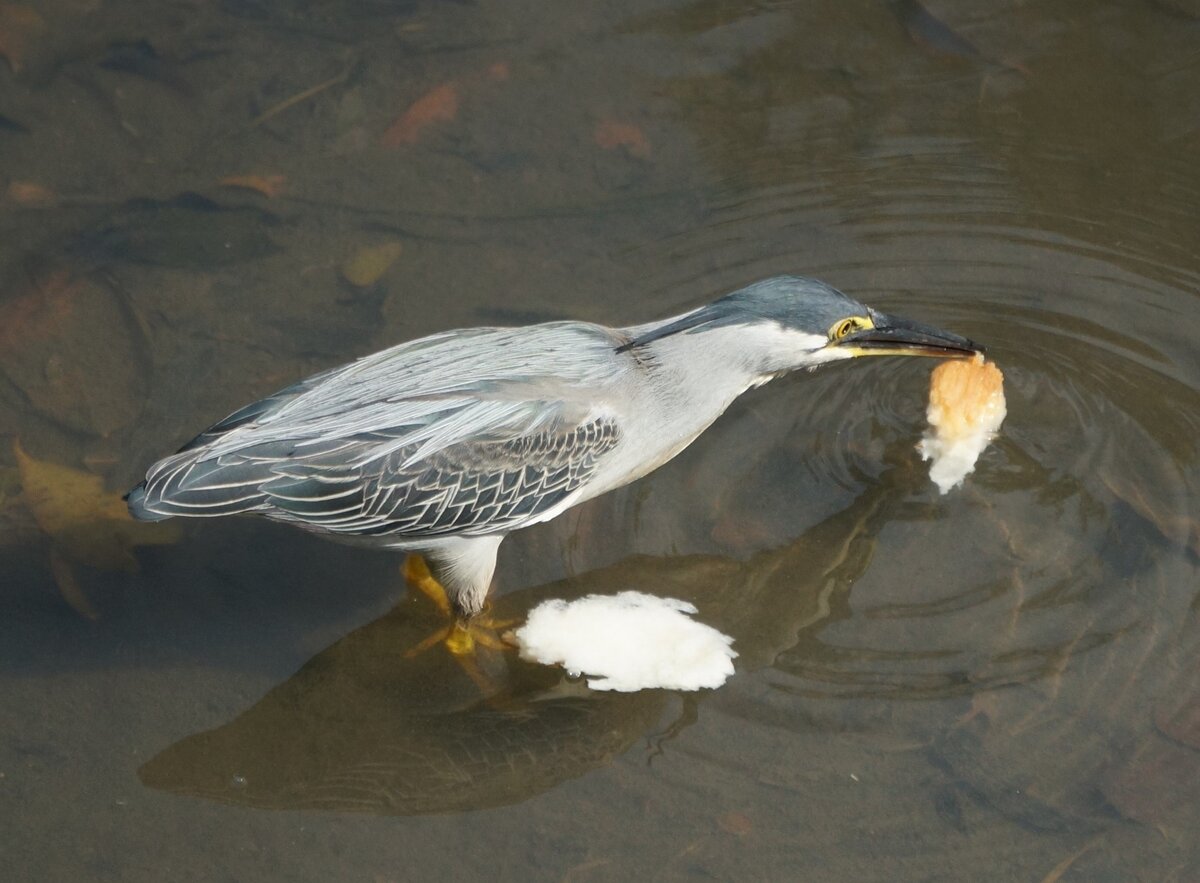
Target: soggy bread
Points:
(966, 408)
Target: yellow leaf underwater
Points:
(612, 134)
(367, 265)
(20, 26)
(438, 105)
(86, 523)
(269, 186)
(30, 194)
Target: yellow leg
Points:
(461, 636)
(416, 572)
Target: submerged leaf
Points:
(19, 27)
(735, 823)
(60, 496)
(368, 264)
(268, 185)
(39, 311)
(31, 194)
(86, 523)
(438, 105)
(70, 346)
(612, 134)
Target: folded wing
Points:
(454, 434)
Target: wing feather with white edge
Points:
(457, 433)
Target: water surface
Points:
(995, 684)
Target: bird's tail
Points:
(195, 485)
(136, 499)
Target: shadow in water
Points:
(364, 728)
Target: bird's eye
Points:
(844, 327)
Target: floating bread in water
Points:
(627, 642)
(966, 408)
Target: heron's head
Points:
(790, 322)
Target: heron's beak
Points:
(894, 336)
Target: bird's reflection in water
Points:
(363, 728)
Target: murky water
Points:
(1000, 683)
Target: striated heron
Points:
(446, 444)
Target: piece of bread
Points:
(966, 408)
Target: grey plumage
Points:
(381, 447)
(447, 443)
(771, 300)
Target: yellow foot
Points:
(459, 636)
